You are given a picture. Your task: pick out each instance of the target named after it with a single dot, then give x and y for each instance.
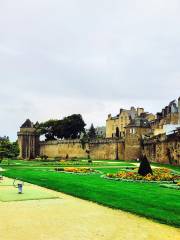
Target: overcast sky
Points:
(91, 57)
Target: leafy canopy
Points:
(8, 149)
(67, 128)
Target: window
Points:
(132, 130)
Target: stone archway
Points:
(117, 132)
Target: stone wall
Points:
(99, 149)
(163, 149)
(107, 149)
(72, 148)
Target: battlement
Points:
(78, 141)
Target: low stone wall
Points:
(132, 152)
(72, 148)
(99, 149)
(107, 149)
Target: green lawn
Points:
(9, 194)
(145, 199)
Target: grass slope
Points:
(145, 199)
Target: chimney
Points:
(163, 112)
(140, 111)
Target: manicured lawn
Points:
(145, 199)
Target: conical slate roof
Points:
(27, 124)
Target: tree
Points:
(13, 150)
(48, 129)
(8, 149)
(69, 128)
(92, 132)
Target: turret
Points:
(28, 140)
(109, 116)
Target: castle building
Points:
(128, 135)
(28, 140)
(134, 133)
(115, 126)
(163, 145)
(169, 116)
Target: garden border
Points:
(78, 173)
(131, 180)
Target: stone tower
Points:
(28, 140)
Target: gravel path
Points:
(69, 218)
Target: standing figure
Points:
(18, 184)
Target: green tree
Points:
(48, 129)
(69, 128)
(92, 132)
(8, 149)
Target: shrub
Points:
(144, 168)
(44, 157)
(59, 169)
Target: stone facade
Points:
(170, 114)
(63, 148)
(163, 148)
(107, 149)
(115, 126)
(134, 137)
(28, 140)
(99, 149)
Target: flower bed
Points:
(76, 163)
(159, 175)
(76, 170)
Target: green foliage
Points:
(8, 149)
(70, 127)
(67, 128)
(84, 139)
(92, 132)
(48, 129)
